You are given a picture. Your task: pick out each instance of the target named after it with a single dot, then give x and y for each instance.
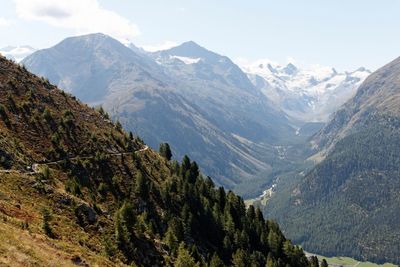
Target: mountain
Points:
(76, 189)
(306, 94)
(348, 204)
(93, 67)
(17, 53)
(196, 100)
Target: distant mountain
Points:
(349, 203)
(216, 84)
(93, 67)
(196, 100)
(17, 53)
(306, 94)
(77, 190)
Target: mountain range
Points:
(324, 142)
(311, 94)
(196, 100)
(200, 102)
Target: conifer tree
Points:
(216, 261)
(314, 261)
(47, 217)
(240, 258)
(184, 259)
(142, 187)
(165, 151)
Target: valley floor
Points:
(348, 262)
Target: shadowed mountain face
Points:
(349, 203)
(196, 100)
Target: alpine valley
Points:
(77, 190)
(201, 103)
(314, 148)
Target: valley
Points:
(313, 149)
(349, 262)
(230, 118)
(126, 205)
(206, 108)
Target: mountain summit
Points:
(88, 66)
(191, 49)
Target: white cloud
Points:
(4, 22)
(82, 16)
(158, 47)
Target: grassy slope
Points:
(28, 246)
(346, 261)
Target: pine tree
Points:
(184, 259)
(271, 262)
(274, 242)
(47, 217)
(142, 187)
(240, 258)
(165, 151)
(216, 261)
(314, 261)
(185, 166)
(171, 240)
(47, 115)
(324, 263)
(194, 172)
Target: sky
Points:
(345, 34)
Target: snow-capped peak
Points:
(290, 69)
(311, 93)
(17, 53)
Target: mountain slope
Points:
(306, 94)
(349, 203)
(90, 65)
(65, 168)
(202, 103)
(378, 95)
(219, 86)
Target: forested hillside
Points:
(349, 203)
(75, 185)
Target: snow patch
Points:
(186, 60)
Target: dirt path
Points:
(35, 167)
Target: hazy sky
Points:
(344, 34)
